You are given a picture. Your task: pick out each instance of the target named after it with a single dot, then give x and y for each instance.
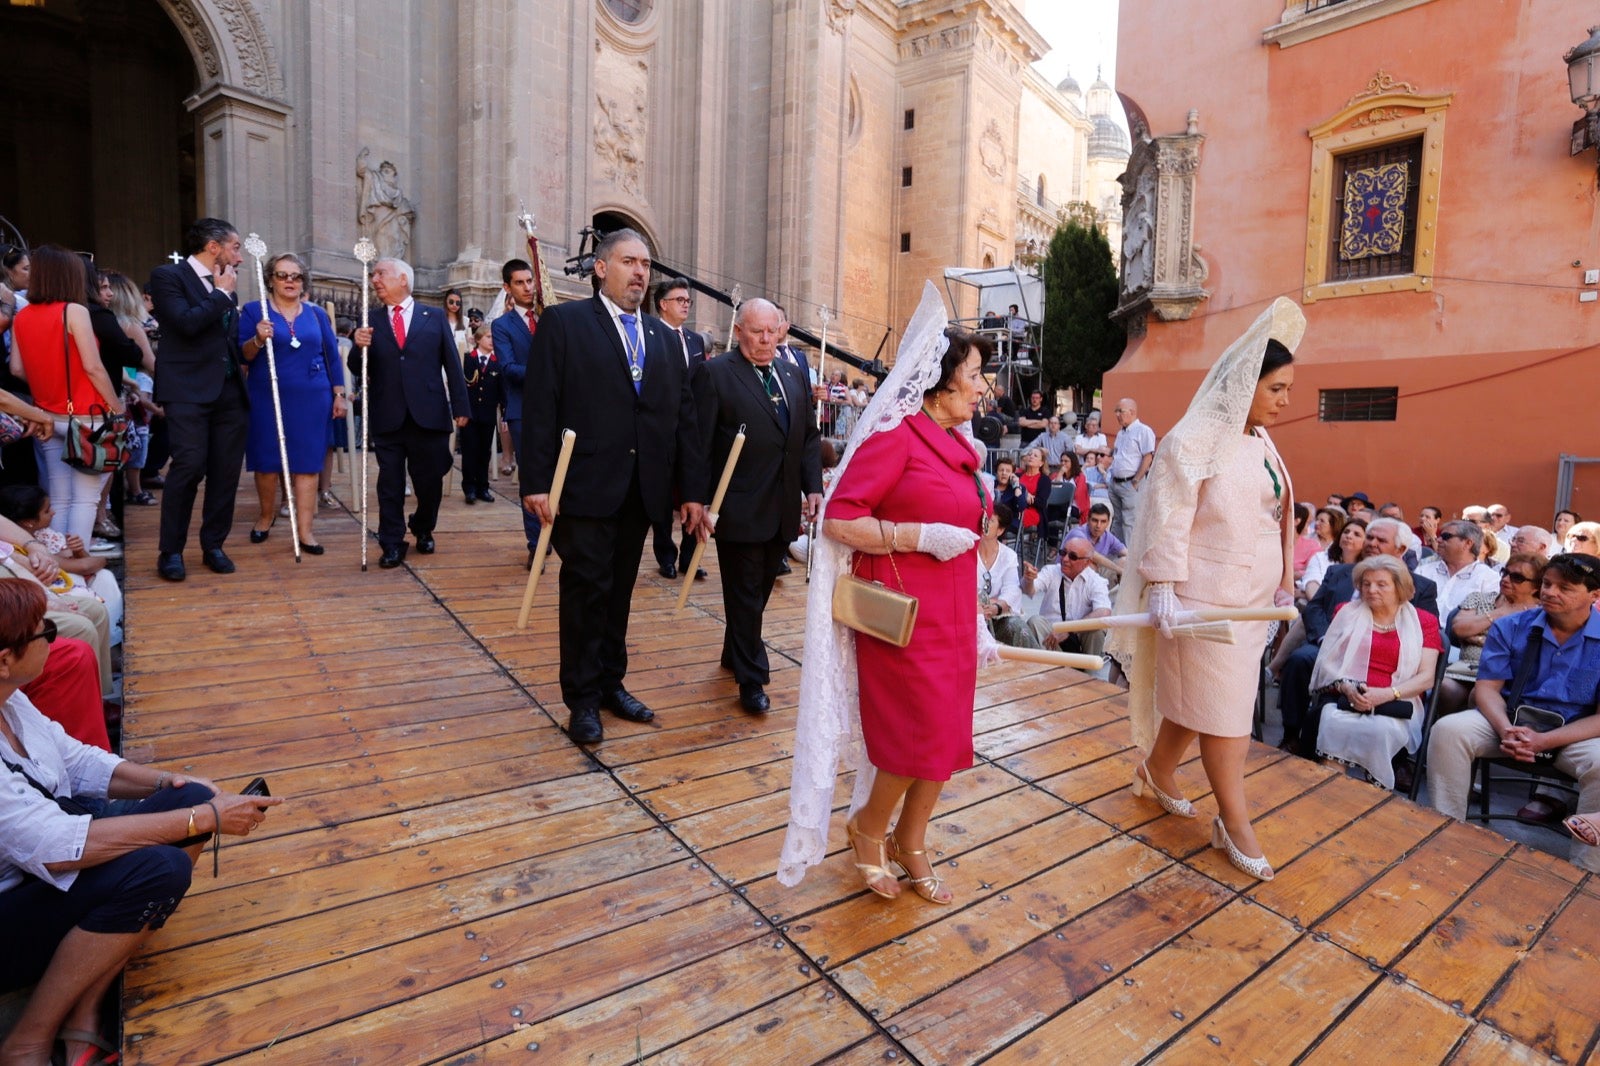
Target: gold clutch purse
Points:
(873, 608)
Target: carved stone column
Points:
(1161, 269)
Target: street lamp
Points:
(1583, 81)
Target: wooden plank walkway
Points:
(453, 881)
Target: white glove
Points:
(988, 647)
(1163, 606)
(944, 541)
(711, 521)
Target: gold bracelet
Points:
(191, 823)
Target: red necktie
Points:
(531, 327)
(399, 324)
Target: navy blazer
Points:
(1337, 587)
(486, 391)
(512, 343)
(412, 380)
(776, 468)
(197, 337)
(577, 378)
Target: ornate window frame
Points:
(1299, 25)
(1386, 111)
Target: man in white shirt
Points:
(1131, 455)
(1456, 569)
(1068, 591)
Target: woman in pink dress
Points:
(1215, 529)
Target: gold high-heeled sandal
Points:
(926, 887)
(1258, 868)
(869, 872)
(1172, 805)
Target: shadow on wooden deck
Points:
(452, 880)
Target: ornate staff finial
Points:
(525, 219)
(255, 245)
(366, 251)
(825, 315)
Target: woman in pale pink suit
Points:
(1215, 530)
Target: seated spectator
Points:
(1427, 528)
(68, 692)
(1456, 570)
(1089, 439)
(29, 507)
(1009, 491)
(1357, 503)
(1067, 591)
(1384, 536)
(991, 320)
(1584, 538)
(1306, 543)
(1533, 540)
(1564, 634)
(1097, 531)
(1055, 441)
(1500, 522)
(1563, 522)
(999, 581)
(1336, 550)
(1518, 592)
(1495, 551)
(1377, 660)
(1066, 508)
(95, 852)
(1032, 476)
(1097, 474)
(75, 611)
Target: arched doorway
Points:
(607, 221)
(97, 148)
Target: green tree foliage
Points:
(1081, 342)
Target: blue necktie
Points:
(635, 350)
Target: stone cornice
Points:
(922, 18)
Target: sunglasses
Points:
(47, 633)
(281, 276)
(1074, 556)
(1580, 536)
(1449, 536)
(1517, 579)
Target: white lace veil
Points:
(828, 727)
(1193, 451)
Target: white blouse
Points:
(1004, 578)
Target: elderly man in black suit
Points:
(607, 372)
(200, 384)
(776, 483)
(672, 303)
(1301, 714)
(413, 355)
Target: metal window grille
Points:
(911, 118)
(1358, 405)
(1318, 5)
(905, 177)
(1377, 266)
(905, 242)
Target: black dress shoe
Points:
(312, 549)
(753, 699)
(783, 566)
(623, 705)
(392, 557)
(170, 566)
(485, 495)
(471, 499)
(700, 573)
(425, 544)
(584, 727)
(259, 536)
(669, 571)
(217, 561)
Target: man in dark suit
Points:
(607, 372)
(1385, 536)
(201, 386)
(486, 398)
(777, 481)
(672, 302)
(513, 337)
(413, 355)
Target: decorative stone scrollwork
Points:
(1162, 270)
(839, 12)
(992, 151)
(246, 58)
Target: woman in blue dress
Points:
(310, 387)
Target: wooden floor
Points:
(452, 880)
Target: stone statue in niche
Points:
(1138, 228)
(384, 216)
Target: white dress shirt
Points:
(1085, 593)
(1005, 582)
(1454, 588)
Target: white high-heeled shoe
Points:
(1171, 804)
(1258, 868)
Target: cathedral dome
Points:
(1069, 85)
(1107, 141)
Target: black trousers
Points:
(748, 572)
(477, 445)
(530, 524)
(1300, 720)
(426, 452)
(207, 445)
(599, 564)
(668, 553)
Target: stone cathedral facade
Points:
(826, 152)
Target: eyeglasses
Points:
(1517, 579)
(676, 300)
(47, 632)
(452, 303)
(281, 276)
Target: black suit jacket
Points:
(775, 468)
(695, 344)
(198, 339)
(577, 379)
(486, 392)
(1337, 587)
(402, 381)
